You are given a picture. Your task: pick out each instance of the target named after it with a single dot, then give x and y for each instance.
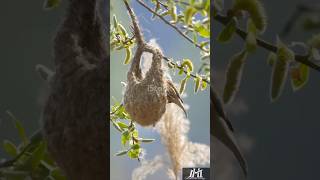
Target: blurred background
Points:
(280, 140)
(26, 36)
(172, 45)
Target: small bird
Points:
(222, 129)
(146, 97)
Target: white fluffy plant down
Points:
(173, 128)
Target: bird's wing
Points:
(174, 97)
(221, 129)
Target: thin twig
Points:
(171, 25)
(266, 45)
(180, 67)
(12, 161)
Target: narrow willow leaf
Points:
(227, 33)
(234, 74)
(115, 22)
(135, 134)
(188, 15)
(121, 153)
(20, 128)
(198, 81)
(202, 30)
(125, 138)
(146, 140)
(128, 56)
(256, 11)
(279, 75)
(284, 52)
(271, 59)
(116, 126)
(187, 63)
(10, 148)
(280, 70)
(173, 12)
(14, 174)
(183, 85)
(38, 155)
(122, 30)
(195, 38)
(251, 39)
(50, 4)
(299, 76)
(122, 125)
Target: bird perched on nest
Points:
(222, 129)
(145, 98)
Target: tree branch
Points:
(171, 25)
(180, 67)
(266, 45)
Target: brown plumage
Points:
(145, 98)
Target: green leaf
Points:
(115, 22)
(183, 85)
(202, 30)
(20, 128)
(299, 76)
(122, 30)
(122, 125)
(50, 4)
(135, 134)
(198, 81)
(121, 153)
(134, 151)
(187, 63)
(227, 33)
(128, 56)
(116, 126)
(251, 39)
(280, 70)
(173, 12)
(234, 75)
(34, 158)
(204, 85)
(125, 137)
(9, 174)
(195, 38)
(256, 11)
(271, 59)
(188, 14)
(10, 148)
(57, 174)
(144, 140)
(135, 146)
